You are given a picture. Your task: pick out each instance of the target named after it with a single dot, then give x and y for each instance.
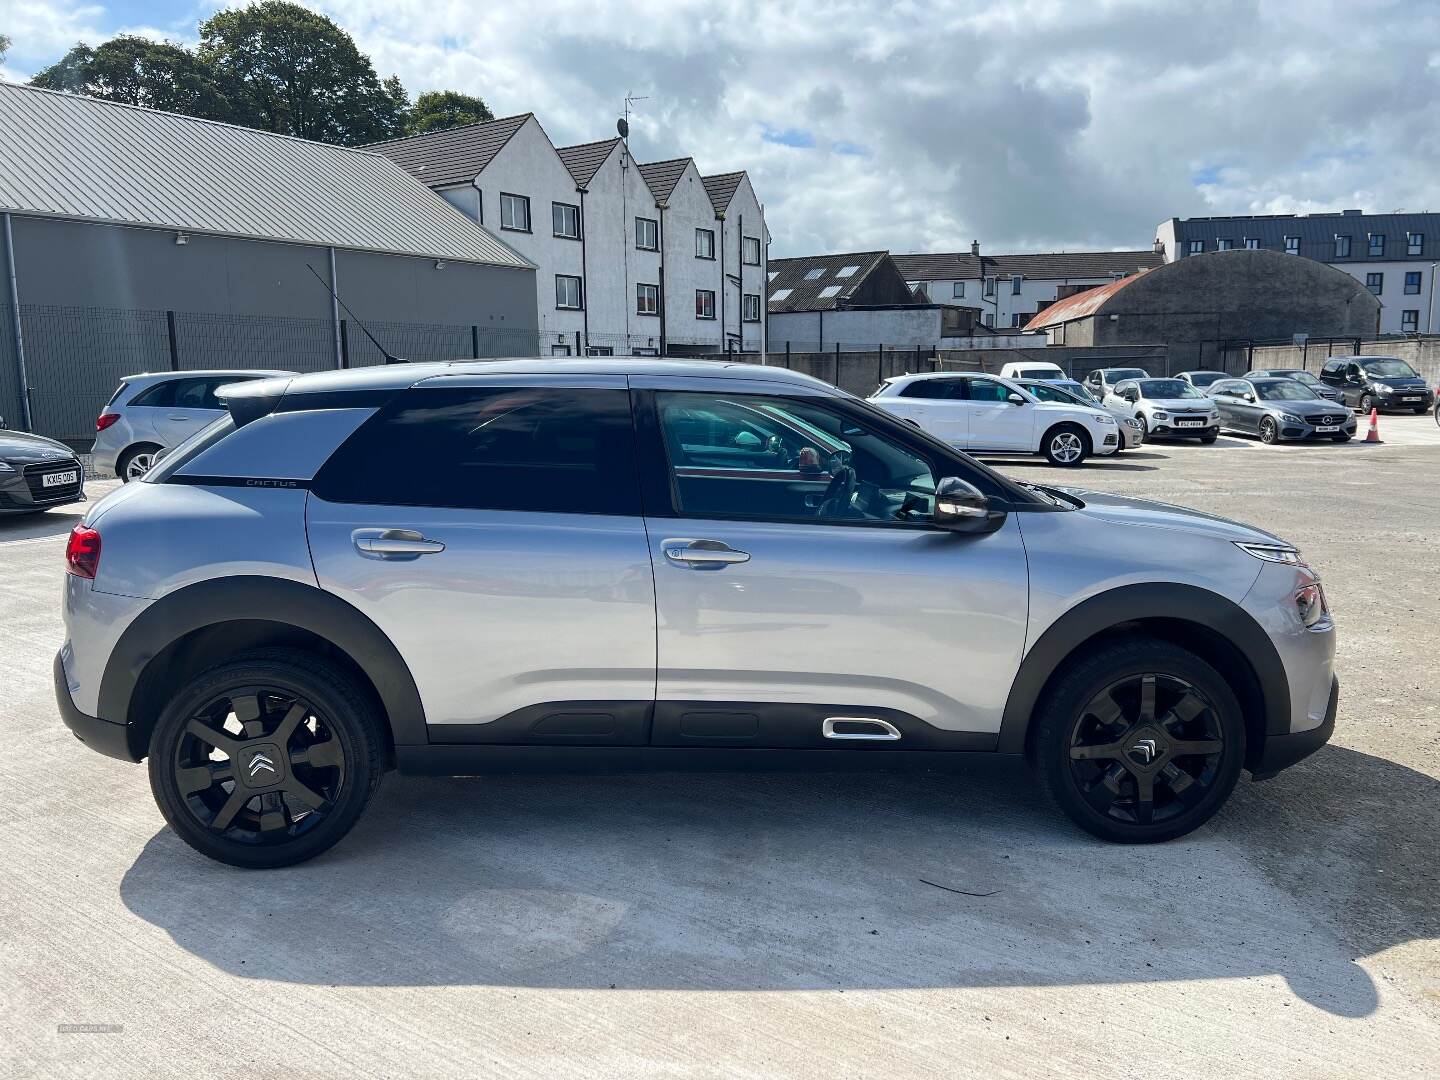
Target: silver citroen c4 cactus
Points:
(547, 565)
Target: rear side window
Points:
(551, 449)
(933, 389)
(197, 393)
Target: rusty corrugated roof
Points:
(1079, 306)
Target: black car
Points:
(1280, 409)
(1300, 375)
(37, 473)
(1377, 382)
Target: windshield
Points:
(1117, 374)
(1284, 390)
(1205, 378)
(1040, 373)
(1387, 367)
(1299, 376)
(1167, 388)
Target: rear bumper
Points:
(1282, 751)
(102, 736)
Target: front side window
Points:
(727, 451)
(751, 307)
(566, 220)
(1377, 244)
(1342, 247)
(546, 449)
(514, 213)
(1410, 320)
(568, 293)
(1414, 243)
(647, 300)
(988, 390)
(1375, 283)
(750, 250)
(704, 303)
(647, 234)
(705, 243)
(1412, 283)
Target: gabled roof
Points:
(83, 158)
(805, 290)
(1079, 306)
(662, 176)
(454, 156)
(1059, 266)
(721, 188)
(584, 161)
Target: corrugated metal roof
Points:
(802, 291)
(721, 188)
(1079, 306)
(77, 157)
(584, 161)
(454, 156)
(1057, 266)
(662, 176)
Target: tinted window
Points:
(1205, 378)
(935, 389)
(1116, 374)
(1387, 367)
(197, 393)
(495, 448)
(989, 390)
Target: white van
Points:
(1033, 369)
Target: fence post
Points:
(174, 344)
(474, 342)
(577, 344)
(880, 367)
(729, 349)
(344, 343)
(787, 354)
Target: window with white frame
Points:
(989, 286)
(1015, 280)
(1342, 246)
(750, 307)
(1252, 243)
(1410, 320)
(514, 212)
(750, 250)
(647, 299)
(647, 234)
(566, 220)
(1292, 245)
(704, 303)
(705, 243)
(958, 289)
(1414, 243)
(1196, 247)
(568, 292)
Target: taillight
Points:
(82, 553)
(105, 419)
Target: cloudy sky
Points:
(1029, 125)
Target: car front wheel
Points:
(1066, 445)
(1269, 433)
(266, 760)
(1366, 403)
(1140, 741)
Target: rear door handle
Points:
(701, 553)
(183, 419)
(393, 543)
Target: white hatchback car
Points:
(151, 412)
(988, 414)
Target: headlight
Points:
(1314, 611)
(1281, 553)
(1160, 414)
(1291, 417)
(1383, 389)
(5, 467)
(1130, 421)
(1101, 418)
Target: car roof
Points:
(205, 373)
(921, 376)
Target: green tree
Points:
(287, 69)
(437, 110)
(138, 71)
(4, 47)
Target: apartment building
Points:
(1008, 290)
(632, 258)
(1393, 255)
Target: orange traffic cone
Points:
(1373, 435)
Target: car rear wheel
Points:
(1066, 445)
(1269, 432)
(1140, 741)
(136, 462)
(266, 760)
(1367, 402)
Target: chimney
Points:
(975, 248)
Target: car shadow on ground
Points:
(56, 522)
(1107, 463)
(785, 881)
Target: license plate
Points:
(1189, 423)
(1323, 428)
(59, 479)
(1412, 399)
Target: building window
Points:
(1224, 245)
(704, 243)
(1292, 245)
(847, 271)
(990, 319)
(1252, 244)
(647, 299)
(568, 293)
(816, 274)
(566, 219)
(780, 294)
(750, 251)
(750, 308)
(647, 234)
(1377, 244)
(828, 291)
(1414, 243)
(1410, 321)
(1197, 247)
(1015, 319)
(989, 286)
(958, 289)
(1375, 283)
(514, 213)
(1015, 280)
(704, 303)
(1412, 283)
(1342, 246)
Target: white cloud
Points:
(1025, 124)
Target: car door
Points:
(492, 529)
(1222, 393)
(776, 614)
(1246, 407)
(996, 422)
(188, 406)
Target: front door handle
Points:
(701, 553)
(393, 543)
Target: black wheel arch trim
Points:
(1113, 611)
(247, 599)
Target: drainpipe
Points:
(664, 292)
(740, 330)
(1430, 314)
(19, 335)
(721, 219)
(585, 279)
(764, 294)
(335, 312)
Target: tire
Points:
(286, 810)
(1206, 440)
(1144, 428)
(1066, 445)
(136, 462)
(1367, 402)
(1421, 410)
(1071, 748)
(1269, 432)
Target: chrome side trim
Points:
(886, 731)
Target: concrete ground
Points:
(774, 925)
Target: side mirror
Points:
(1249, 397)
(1014, 398)
(962, 507)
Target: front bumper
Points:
(1406, 400)
(103, 736)
(1306, 430)
(1282, 751)
(21, 491)
(1168, 430)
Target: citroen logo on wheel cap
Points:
(260, 763)
(1144, 751)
